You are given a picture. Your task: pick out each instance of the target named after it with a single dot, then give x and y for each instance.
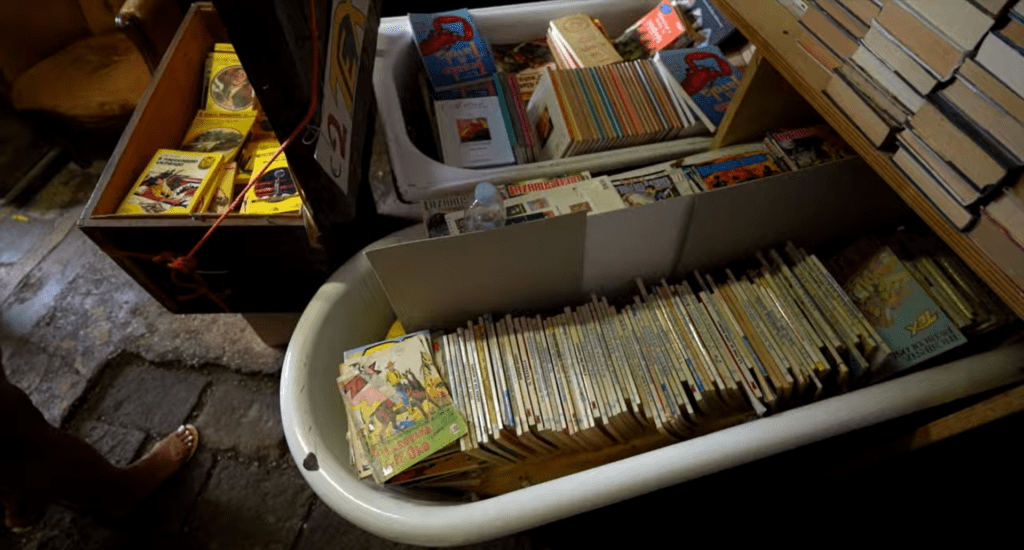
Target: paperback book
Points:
(473, 132)
(452, 50)
(704, 79)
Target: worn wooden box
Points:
(251, 264)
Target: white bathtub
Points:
(351, 309)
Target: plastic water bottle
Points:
(486, 211)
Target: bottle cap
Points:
(485, 191)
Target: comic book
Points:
(809, 146)
(452, 50)
(662, 28)
(731, 170)
(399, 404)
(228, 89)
(893, 302)
(527, 60)
(210, 132)
(705, 80)
(174, 182)
(276, 191)
(655, 187)
(222, 191)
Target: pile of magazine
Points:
(674, 361)
(544, 198)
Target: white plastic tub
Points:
(351, 309)
(395, 85)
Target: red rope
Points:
(187, 264)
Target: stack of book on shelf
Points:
(544, 198)
(674, 361)
(572, 92)
(942, 84)
(229, 140)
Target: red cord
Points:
(187, 264)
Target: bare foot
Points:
(167, 456)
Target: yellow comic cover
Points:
(224, 47)
(174, 182)
(222, 192)
(211, 132)
(399, 404)
(276, 191)
(229, 90)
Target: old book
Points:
(883, 45)
(1008, 210)
(885, 105)
(995, 241)
(902, 313)
(400, 405)
(584, 43)
(473, 133)
(864, 10)
(951, 143)
(174, 182)
(922, 40)
(829, 31)
(993, 8)
(987, 116)
(888, 79)
(955, 183)
(874, 127)
(993, 88)
(453, 51)
(929, 185)
(818, 50)
(961, 21)
(841, 15)
(1013, 32)
(1003, 61)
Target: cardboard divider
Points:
(441, 283)
(547, 264)
(811, 207)
(635, 242)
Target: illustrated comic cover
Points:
(810, 146)
(452, 50)
(276, 192)
(219, 134)
(902, 312)
(228, 90)
(648, 189)
(223, 190)
(399, 404)
(712, 26)
(734, 169)
(661, 28)
(528, 60)
(175, 182)
(705, 76)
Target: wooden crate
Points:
(251, 263)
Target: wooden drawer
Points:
(253, 264)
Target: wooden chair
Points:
(77, 68)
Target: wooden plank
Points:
(992, 409)
(764, 102)
(773, 29)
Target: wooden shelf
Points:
(774, 30)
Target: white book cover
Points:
(473, 133)
(1006, 63)
(888, 79)
(547, 119)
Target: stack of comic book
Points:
(679, 359)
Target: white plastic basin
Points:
(351, 309)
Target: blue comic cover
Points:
(705, 76)
(899, 309)
(452, 50)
